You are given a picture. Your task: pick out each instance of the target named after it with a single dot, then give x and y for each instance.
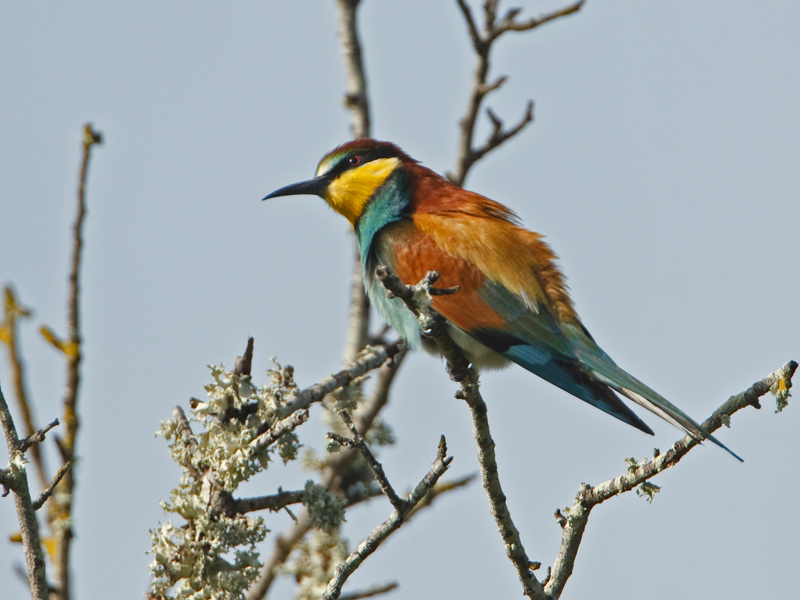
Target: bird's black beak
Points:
(314, 187)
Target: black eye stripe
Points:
(360, 158)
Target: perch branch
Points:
(574, 523)
(417, 298)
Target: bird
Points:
(512, 304)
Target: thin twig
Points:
(274, 502)
(39, 502)
(358, 443)
(16, 478)
(62, 508)
(331, 476)
(508, 23)
(369, 592)
(417, 299)
(482, 42)
(279, 429)
(385, 529)
(372, 359)
(14, 311)
(38, 437)
(574, 523)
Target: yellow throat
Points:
(350, 192)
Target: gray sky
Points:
(662, 166)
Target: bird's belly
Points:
(481, 357)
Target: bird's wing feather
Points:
(495, 316)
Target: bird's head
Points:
(348, 176)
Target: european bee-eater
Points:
(512, 304)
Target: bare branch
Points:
(372, 359)
(61, 510)
(509, 22)
(16, 479)
(357, 333)
(37, 504)
(244, 364)
(357, 102)
(482, 43)
(461, 371)
(385, 529)
(14, 311)
(275, 502)
(475, 36)
(364, 419)
(38, 437)
(574, 523)
(499, 136)
(356, 96)
(375, 590)
(358, 443)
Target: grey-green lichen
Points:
(325, 509)
(314, 562)
(780, 390)
(212, 555)
(648, 490)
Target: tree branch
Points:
(358, 443)
(274, 502)
(356, 100)
(375, 590)
(574, 523)
(417, 298)
(482, 43)
(385, 529)
(372, 359)
(16, 479)
(61, 510)
(14, 311)
(37, 504)
(364, 418)
(38, 437)
(356, 96)
(509, 22)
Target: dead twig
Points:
(385, 529)
(482, 43)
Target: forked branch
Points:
(385, 529)
(418, 300)
(482, 43)
(575, 521)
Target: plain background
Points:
(662, 166)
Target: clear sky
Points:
(662, 166)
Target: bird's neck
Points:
(387, 205)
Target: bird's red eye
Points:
(354, 160)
